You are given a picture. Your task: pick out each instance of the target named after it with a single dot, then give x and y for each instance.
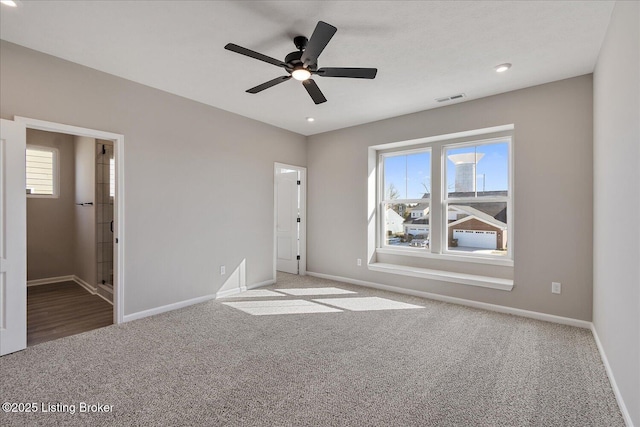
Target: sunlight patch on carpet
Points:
(296, 306)
(315, 291)
(366, 304)
(256, 293)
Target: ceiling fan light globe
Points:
(301, 74)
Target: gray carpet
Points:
(212, 364)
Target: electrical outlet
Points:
(556, 287)
(359, 262)
(222, 270)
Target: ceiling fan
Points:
(301, 65)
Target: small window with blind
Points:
(42, 172)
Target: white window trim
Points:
(56, 172)
(375, 234)
(445, 276)
(421, 253)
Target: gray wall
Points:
(616, 277)
(50, 222)
(85, 216)
(190, 171)
(552, 198)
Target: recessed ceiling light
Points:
(9, 3)
(502, 67)
(311, 119)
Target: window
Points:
(406, 202)
(447, 197)
(477, 199)
(42, 171)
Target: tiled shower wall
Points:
(104, 212)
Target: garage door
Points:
(476, 238)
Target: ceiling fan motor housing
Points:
(300, 42)
(293, 61)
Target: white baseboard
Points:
(72, 278)
(103, 297)
(165, 308)
(612, 380)
(235, 291)
(186, 303)
(60, 279)
(261, 284)
(460, 301)
(91, 289)
(49, 280)
(230, 292)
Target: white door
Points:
(287, 214)
(13, 238)
(289, 218)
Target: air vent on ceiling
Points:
(451, 98)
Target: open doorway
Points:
(70, 186)
(74, 219)
(61, 189)
(290, 219)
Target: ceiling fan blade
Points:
(354, 73)
(253, 54)
(268, 84)
(316, 44)
(314, 91)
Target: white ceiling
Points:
(423, 49)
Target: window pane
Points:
(39, 172)
(476, 171)
(407, 176)
(407, 224)
(479, 228)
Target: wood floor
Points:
(61, 309)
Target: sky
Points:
(410, 173)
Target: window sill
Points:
(42, 196)
(445, 276)
(421, 253)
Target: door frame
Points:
(302, 265)
(118, 213)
